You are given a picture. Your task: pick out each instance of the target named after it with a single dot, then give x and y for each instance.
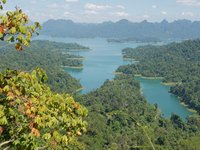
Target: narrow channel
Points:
(104, 58)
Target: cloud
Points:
(92, 6)
(53, 6)
(189, 14)
(66, 13)
(164, 12)
(146, 16)
(120, 6)
(154, 6)
(189, 2)
(71, 1)
(120, 14)
(90, 12)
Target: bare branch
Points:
(6, 148)
(6, 142)
(40, 148)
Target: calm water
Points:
(104, 58)
(168, 103)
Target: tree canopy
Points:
(14, 28)
(32, 116)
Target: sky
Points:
(96, 11)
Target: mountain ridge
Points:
(178, 29)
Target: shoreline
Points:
(130, 59)
(79, 50)
(152, 78)
(80, 89)
(118, 73)
(149, 78)
(76, 58)
(187, 106)
(170, 83)
(73, 67)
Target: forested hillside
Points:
(178, 63)
(50, 56)
(120, 118)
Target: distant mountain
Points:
(180, 29)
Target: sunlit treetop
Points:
(14, 27)
(32, 116)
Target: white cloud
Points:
(189, 14)
(66, 13)
(90, 12)
(189, 2)
(120, 6)
(53, 6)
(164, 12)
(146, 16)
(71, 1)
(92, 6)
(154, 6)
(120, 14)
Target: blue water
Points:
(156, 93)
(104, 58)
(99, 64)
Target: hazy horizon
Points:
(124, 20)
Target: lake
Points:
(157, 93)
(101, 62)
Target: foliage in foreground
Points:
(14, 28)
(33, 116)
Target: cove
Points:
(100, 64)
(157, 93)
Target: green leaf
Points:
(3, 121)
(11, 38)
(1, 35)
(46, 136)
(4, 1)
(13, 30)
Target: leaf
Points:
(1, 35)
(23, 29)
(2, 29)
(18, 47)
(4, 1)
(6, 88)
(11, 38)
(78, 133)
(3, 121)
(13, 30)
(46, 136)
(1, 130)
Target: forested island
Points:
(51, 56)
(177, 63)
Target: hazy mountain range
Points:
(180, 29)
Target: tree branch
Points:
(40, 148)
(6, 148)
(6, 142)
